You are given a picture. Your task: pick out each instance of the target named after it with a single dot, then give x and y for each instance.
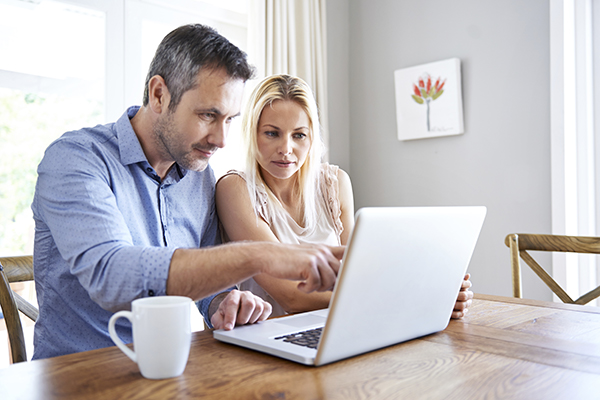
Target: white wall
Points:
(338, 79)
(503, 159)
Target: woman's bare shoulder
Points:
(232, 181)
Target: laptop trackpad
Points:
(303, 320)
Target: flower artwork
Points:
(426, 93)
(429, 100)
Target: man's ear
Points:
(158, 94)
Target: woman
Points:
(286, 193)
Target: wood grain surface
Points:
(504, 348)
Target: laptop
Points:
(399, 279)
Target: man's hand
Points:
(316, 266)
(464, 299)
(238, 308)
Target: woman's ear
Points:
(158, 95)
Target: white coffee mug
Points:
(162, 334)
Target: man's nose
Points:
(218, 136)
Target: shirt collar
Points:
(130, 148)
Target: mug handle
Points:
(115, 337)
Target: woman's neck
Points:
(288, 194)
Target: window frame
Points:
(575, 151)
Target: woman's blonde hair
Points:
(289, 88)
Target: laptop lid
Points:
(399, 280)
(401, 275)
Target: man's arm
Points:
(197, 273)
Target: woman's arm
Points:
(241, 223)
(347, 205)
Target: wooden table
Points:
(504, 348)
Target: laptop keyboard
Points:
(308, 338)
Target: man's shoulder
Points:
(88, 135)
(82, 146)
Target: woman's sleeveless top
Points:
(288, 231)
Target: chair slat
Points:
(26, 308)
(548, 280)
(565, 244)
(18, 269)
(589, 296)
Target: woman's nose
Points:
(285, 146)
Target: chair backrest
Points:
(520, 243)
(16, 269)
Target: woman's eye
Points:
(299, 135)
(271, 133)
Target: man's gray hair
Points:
(185, 51)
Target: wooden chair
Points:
(16, 269)
(520, 243)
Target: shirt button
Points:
(149, 170)
(150, 292)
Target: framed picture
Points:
(429, 100)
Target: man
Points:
(126, 210)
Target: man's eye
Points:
(231, 119)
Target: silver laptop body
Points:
(399, 280)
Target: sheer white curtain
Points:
(575, 79)
(289, 37)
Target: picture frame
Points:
(429, 100)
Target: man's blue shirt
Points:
(106, 227)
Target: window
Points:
(76, 63)
(45, 90)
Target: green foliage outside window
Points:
(29, 122)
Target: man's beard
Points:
(167, 141)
